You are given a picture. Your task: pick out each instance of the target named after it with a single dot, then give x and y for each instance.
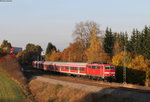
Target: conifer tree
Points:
(50, 48)
(133, 43)
(146, 42)
(108, 42)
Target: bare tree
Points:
(83, 32)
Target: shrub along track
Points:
(9, 90)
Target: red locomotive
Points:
(98, 70)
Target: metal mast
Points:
(124, 66)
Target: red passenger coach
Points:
(64, 67)
(97, 70)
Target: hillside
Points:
(9, 90)
(12, 80)
(10, 65)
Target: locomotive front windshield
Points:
(109, 67)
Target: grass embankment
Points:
(9, 90)
(10, 65)
(13, 84)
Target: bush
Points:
(2, 53)
(132, 75)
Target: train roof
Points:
(72, 63)
(68, 63)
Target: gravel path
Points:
(118, 92)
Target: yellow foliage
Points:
(74, 53)
(54, 56)
(138, 63)
(118, 59)
(95, 53)
(117, 48)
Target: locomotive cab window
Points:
(94, 67)
(98, 67)
(112, 67)
(107, 67)
(89, 66)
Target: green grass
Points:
(9, 90)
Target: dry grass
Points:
(45, 92)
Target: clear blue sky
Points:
(43, 21)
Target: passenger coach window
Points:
(82, 69)
(66, 68)
(73, 68)
(62, 67)
(89, 66)
(98, 67)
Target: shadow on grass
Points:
(117, 95)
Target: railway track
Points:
(125, 87)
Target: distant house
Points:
(15, 50)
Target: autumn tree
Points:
(32, 52)
(54, 56)
(83, 32)
(6, 46)
(23, 57)
(73, 53)
(82, 35)
(95, 52)
(118, 59)
(2, 52)
(117, 48)
(139, 63)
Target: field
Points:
(9, 90)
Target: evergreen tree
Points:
(140, 43)
(123, 40)
(108, 42)
(50, 48)
(133, 43)
(138, 47)
(146, 42)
